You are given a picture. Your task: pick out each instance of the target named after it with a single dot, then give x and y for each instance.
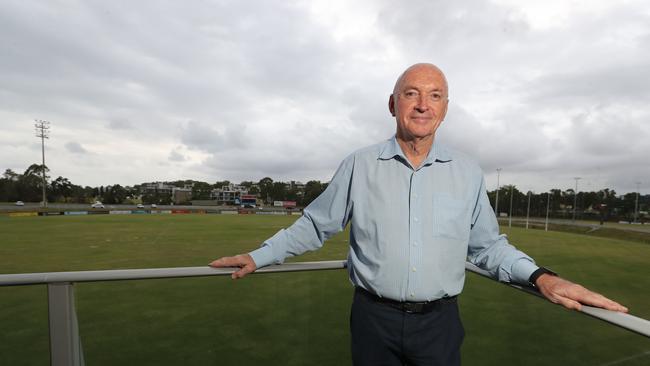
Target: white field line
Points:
(617, 362)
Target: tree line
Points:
(28, 187)
(604, 204)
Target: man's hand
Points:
(572, 296)
(243, 261)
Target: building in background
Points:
(182, 195)
(230, 194)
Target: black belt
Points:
(410, 307)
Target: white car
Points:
(153, 205)
(140, 205)
(19, 203)
(97, 205)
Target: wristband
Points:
(540, 271)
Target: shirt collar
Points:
(391, 149)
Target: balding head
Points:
(421, 67)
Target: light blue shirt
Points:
(411, 230)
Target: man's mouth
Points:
(421, 119)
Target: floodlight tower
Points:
(496, 203)
(575, 198)
(548, 208)
(43, 131)
(636, 202)
(510, 213)
(528, 208)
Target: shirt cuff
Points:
(522, 269)
(262, 256)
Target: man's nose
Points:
(422, 105)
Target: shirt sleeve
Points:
(491, 251)
(325, 216)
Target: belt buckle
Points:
(413, 308)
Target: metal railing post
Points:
(65, 344)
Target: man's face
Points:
(419, 103)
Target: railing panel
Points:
(24, 338)
(277, 319)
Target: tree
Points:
(220, 184)
(627, 206)
(201, 191)
(115, 194)
(266, 184)
(279, 191)
(30, 184)
(9, 186)
(61, 189)
(313, 189)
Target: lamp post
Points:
(636, 203)
(548, 208)
(528, 209)
(496, 203)
(42, 131)
(510, 214)
(575, 198)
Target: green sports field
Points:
(291, 318)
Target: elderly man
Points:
(417, 212)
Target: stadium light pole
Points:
(575, 198)
(528, 209)
(42, 131)
(496, 203)
(548, 207)
(636, 203)
(510, 215)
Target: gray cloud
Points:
(75, 148)
(176, 156)
(241, 91)
(120, 124)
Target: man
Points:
(417, 211)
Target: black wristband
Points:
(540, 271)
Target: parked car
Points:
(139, 205)
(97, 205)
(153, 205)
(19, 203)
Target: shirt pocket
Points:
(450, 218)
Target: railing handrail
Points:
(21, 279)
(626, 321)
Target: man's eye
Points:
(410, 94)
(436, 96)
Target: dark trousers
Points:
(384, 335)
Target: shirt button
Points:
(414, 269)
(415, 243)
(415, 219)
(412, 294)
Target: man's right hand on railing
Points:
(243, 261)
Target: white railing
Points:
(65, 344)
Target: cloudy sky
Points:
(239, 90)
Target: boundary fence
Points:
(151, 212)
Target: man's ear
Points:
(391, 105)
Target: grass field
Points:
(292, 318)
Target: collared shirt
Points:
(411, 229)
